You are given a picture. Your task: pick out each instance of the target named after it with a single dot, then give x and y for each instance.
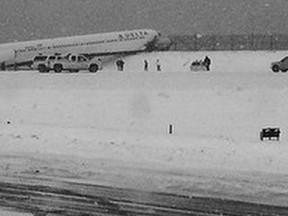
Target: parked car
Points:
(280, 65)
(270, 133)
(44, 63)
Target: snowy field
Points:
(111, 127)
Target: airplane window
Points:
(73, 58)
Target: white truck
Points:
(70, 62)
(74, 63)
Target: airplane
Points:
(102, 44)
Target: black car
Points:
(280, 65)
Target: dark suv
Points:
(280, 65)
(44, 63)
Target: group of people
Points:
(120, 64)
(157, 63)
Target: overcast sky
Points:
(31, 19)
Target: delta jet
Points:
(103, 44)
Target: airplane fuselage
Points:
(95, 44)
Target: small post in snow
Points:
(170, 129)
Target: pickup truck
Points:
(74, 63)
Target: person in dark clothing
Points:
(145, 65)
(207, 63)
(158, 66)
(120, 64)
(3, 66)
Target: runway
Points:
(46, 196)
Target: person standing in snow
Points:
(158, 66)
(207, 62)
(120, 64)
(145, 65)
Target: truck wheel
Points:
(58, 68)
(275, 68)
(93, 68)
(284, 70)
(42, 68)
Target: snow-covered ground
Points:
(11, 213)
(112, 127)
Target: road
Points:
(43, 196)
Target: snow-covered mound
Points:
(112, 127)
